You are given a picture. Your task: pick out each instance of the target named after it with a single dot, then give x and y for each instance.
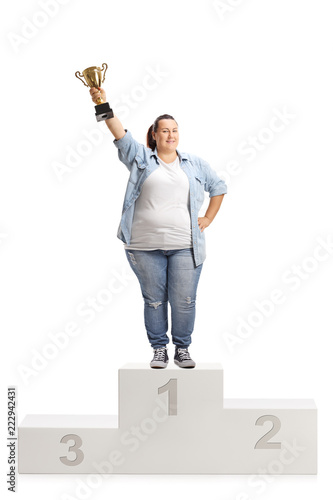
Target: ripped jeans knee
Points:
(155, 304)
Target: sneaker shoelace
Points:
(159, 354)
(183, 354)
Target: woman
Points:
(163, 235)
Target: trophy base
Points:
(103, 112)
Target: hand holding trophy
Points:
(93, 77)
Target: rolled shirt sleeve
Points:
(127, 149)
(214, 185)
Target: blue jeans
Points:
(167, 276)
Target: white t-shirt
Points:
(162, 211)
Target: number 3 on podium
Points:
(79, 456)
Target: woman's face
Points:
(167, 136)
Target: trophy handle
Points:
(76, 74)
(106, 67)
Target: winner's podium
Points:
(175, 421)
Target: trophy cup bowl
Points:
(93, 78)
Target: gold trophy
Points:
(93, 77)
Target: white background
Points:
(223, 75)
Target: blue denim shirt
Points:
(141, 161)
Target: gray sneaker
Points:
(182, 358)
(160, 359)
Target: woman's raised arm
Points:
(113, 124)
